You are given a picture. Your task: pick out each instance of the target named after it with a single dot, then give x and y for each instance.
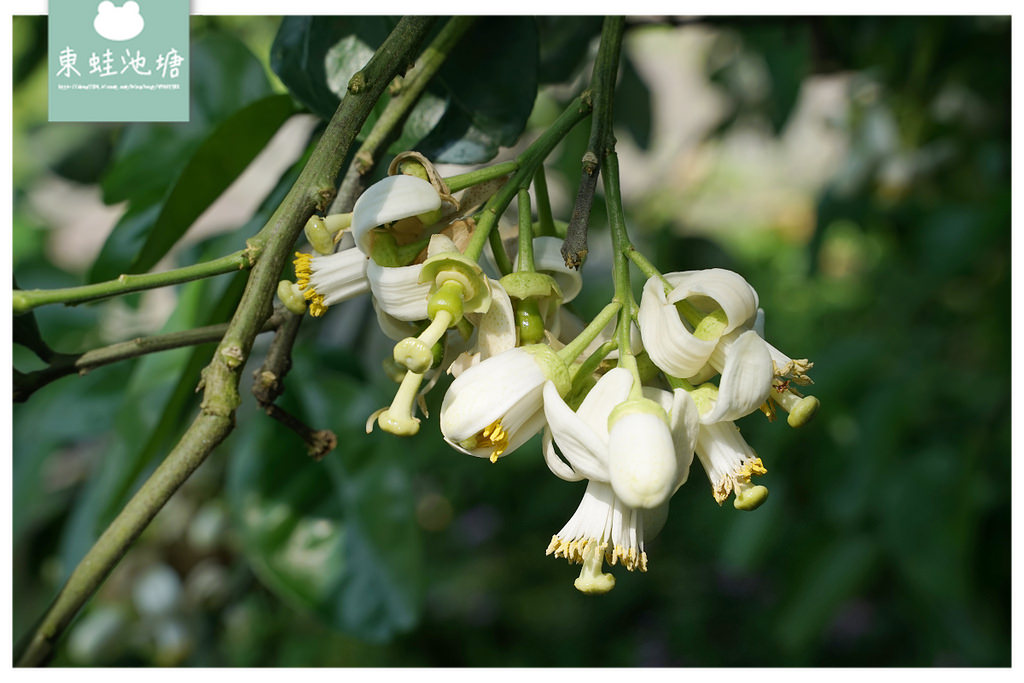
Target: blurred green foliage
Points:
(885, 540)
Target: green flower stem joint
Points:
(458, 286)
(526, 289)
(323, 232)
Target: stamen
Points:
(494, 436)
(303, 273)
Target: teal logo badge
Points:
(118, 60)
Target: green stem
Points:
(81, 363)
(529, 160)
(500, 255)
(481, 175)
(525, 233)
(593, 360)
(574, 348)
(546, 222)
(602, 84)
(646, 267)
(27, 299)
(312, 191)
(678, 382)
(620, 275)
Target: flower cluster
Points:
(624, 402)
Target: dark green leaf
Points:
(564, 42)
(337, 537)
(213, 167)
(491, 91)
(150, 157)
(635, 113)
(316, 56)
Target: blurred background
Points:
(855, 170)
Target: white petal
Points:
(583, 449)
(487, 392)
(723, 452)
(339, 276)
(668, 341)
(685, 425)
(555, 463)
(398, 291)
(729, 291)
(496, 329)
(547, 258)
(612, 389)
(394, 328)
(642, 460)
(440, 244)
(391, 199)
(746, 378)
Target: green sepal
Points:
(637, 405)
(525, 285)
(554, 367)
(462, 269)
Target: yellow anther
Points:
(303, 273)
(493, 436)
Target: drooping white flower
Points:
(674, 345)
(727, 458)
(494, 407)
(391, 199)
(604, 529)
(327, 280)
(630, 478)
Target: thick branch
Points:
(602, 85)
(313, 191)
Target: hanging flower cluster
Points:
(523, 364)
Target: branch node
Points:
(358, 83)
(232, 355)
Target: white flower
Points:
(730, 463)
(630, 478)
(398, 292)
(604, 529)
(724, 297)
(391, 199)
(493, 408)
(326, 280)
(727, 458)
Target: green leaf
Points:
(214, 166)
(480, 99)
(336, 538)
(635, 117)
(316, 56)
(491, 95)
(564, 43)
(150, 158)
